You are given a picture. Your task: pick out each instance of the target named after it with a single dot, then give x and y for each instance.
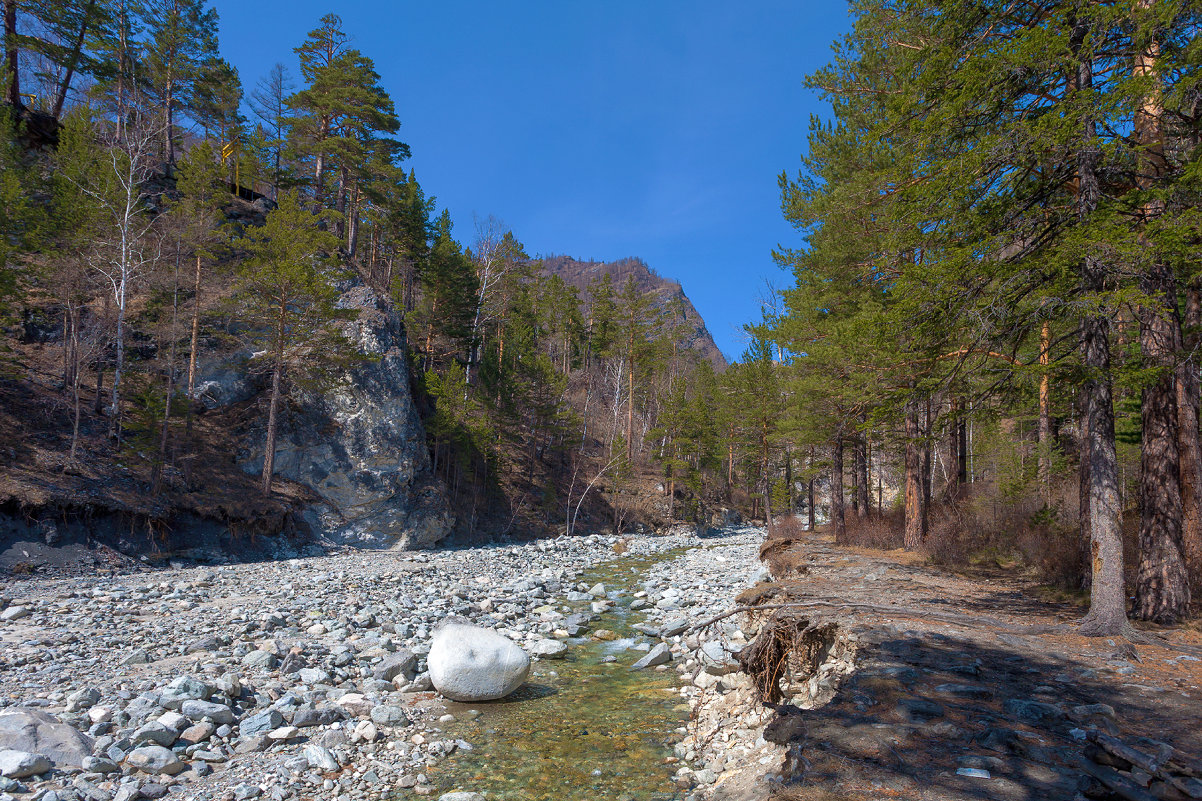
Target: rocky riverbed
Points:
(306, 678)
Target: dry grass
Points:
(881, 532)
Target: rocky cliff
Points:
(358, 443)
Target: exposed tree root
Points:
(787, 644)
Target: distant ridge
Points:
(582, 273)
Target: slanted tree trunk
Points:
(838, 520)
(277, 374)
(73, 61)
(912, 537)
(12, 55)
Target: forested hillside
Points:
(233, 311)
(996, 304)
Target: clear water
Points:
(580, 729)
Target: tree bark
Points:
(76, 50)
(1084, 481)
(838, 520)
(926, 469)
(273, 406)
(1162, 585)
(1187, 437)
(12, 54)
(1045, 414)
(810, 495)
(913, 535)
(1107, 604)
(860, 468)
(962, 451)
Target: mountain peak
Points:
(580, 274)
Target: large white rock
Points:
(471, 663)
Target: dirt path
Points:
(940, 710)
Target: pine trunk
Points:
(274, 405)
(838, 520)
(1162, 584)
(1187, 436)
(1107, 604)
(272, 414)
(12, 54)
(859, 460)
(912, 537)
(73, 61)
(1045, 414)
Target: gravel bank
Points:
(306, 678)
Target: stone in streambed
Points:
(471, 663)
(659, 655)
(156, 759)
(34, 731)
(22, 764)
(548, 649)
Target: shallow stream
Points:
(581, 728)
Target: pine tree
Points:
(286, 291)
(181, 41)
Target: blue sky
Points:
(598, 130)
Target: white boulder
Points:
(471, 663)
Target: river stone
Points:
(389, 716)
(402, 663)
(156, 759)
(659, 655)
(320, 758)
(549, 649)
(21, 764)
(261, 723)
(461, 797)
(23, 729)
(471, 663)
(260, 659)
(200, 710)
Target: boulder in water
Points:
(471, 663)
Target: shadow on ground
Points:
(932, 716)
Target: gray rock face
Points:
(36, 732)
(360, 445)
(471, 663)
(21, 764)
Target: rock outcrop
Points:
(359, 444)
